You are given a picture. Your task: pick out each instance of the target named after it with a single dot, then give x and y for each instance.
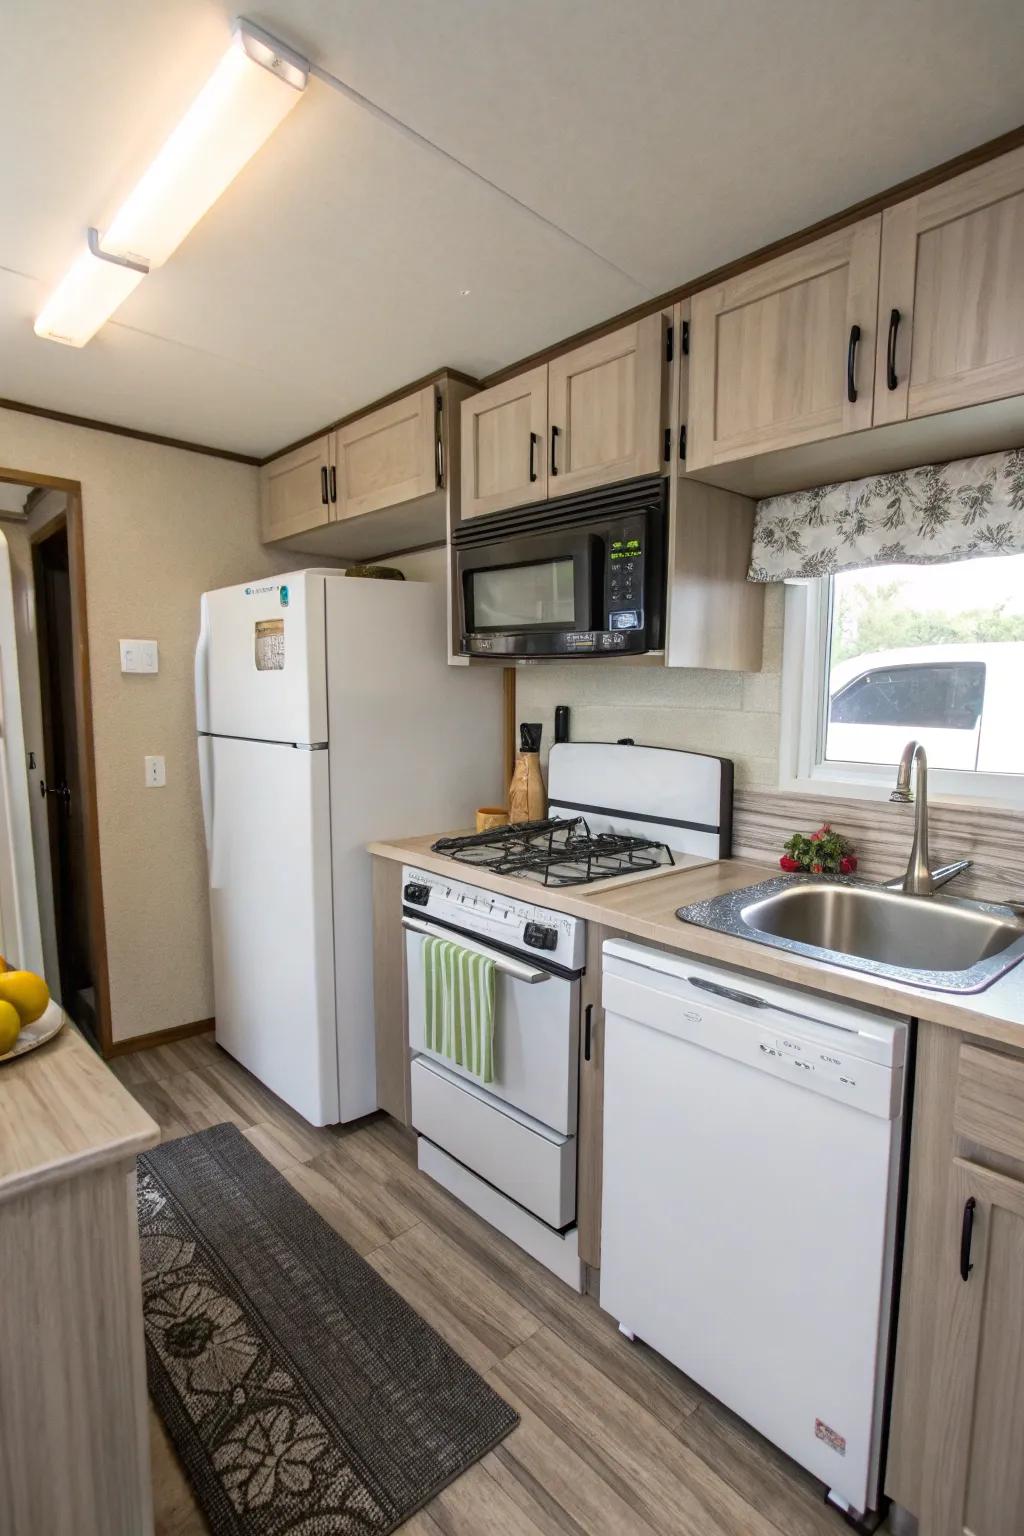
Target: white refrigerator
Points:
(327, 716)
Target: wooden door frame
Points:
(72, 518)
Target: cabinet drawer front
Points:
(534, 1166)
(389, 456)
(770, 351)
(989, 1107)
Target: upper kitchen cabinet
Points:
(951, 296)
(606, 408)
(374, 486)
(295, 491)
(591, 416)
(504, 432)
(391, 456)
(783, 354)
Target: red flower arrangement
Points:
(823, 853)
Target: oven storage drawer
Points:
(536, 1038)
(533, 1165)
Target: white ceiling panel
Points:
(607, 152)
(672, 135)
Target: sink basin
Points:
(941, 942)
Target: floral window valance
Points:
(942, 512)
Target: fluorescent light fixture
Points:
(254, 87)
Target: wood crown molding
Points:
(93, 425)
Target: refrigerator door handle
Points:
(206, 780)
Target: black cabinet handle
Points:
(334, 483)
(533, 451)
(890, 351)
(554, 438)
(439, 441)
(323, 484)
(966, 1234)
(851, 364)
(588, 1017)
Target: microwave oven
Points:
(580, 576)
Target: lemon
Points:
(26, 992)
(10, 1026)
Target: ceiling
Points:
(13, 499)
(561, 159)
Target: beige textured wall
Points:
(730, 714)
(161, 527)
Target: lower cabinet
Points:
(956, 1457)
(974, 1448)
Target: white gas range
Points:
(508, 1150)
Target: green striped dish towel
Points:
(459, 1013)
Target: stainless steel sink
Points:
(941, 942)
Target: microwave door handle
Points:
(513, 968)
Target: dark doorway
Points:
(61, 783)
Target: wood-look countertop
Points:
(645, 908)
(62, 1111)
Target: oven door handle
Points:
(513, 968)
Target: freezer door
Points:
(261, 669)
(268, 814)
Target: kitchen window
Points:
(935, 652)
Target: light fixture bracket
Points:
(118, 261)
(269, 51)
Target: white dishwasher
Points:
(752, 1150)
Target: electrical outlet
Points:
(156, 773)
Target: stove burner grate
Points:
(557, 852)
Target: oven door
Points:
(531, 596)
(536, 1029)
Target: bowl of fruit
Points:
(28, 1017)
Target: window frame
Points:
(803, 768)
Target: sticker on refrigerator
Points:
(830, 1436)
(270, 645)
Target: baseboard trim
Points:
(159, 1037)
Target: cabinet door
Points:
(294, 491)
(953, 272)
(504, 431)
(387, 457)
(785, 353)
(606, 408)
(974, 1470)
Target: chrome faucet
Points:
(920, 879)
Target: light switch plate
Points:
(156, 772)
(140, 656)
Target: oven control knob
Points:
(540, 937)
(417, 895)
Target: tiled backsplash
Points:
(730, 714)
(882, 833)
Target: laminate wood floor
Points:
(614, 1441)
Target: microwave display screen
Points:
(519, 596)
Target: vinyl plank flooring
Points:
(477, 1316)
(614, 1441)
(668, 1484)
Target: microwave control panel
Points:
(624, 575)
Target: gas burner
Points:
(557, 852)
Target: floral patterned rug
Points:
(303, 1395)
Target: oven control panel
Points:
(489, 916)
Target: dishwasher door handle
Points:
(514, 968)
(749, 998)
